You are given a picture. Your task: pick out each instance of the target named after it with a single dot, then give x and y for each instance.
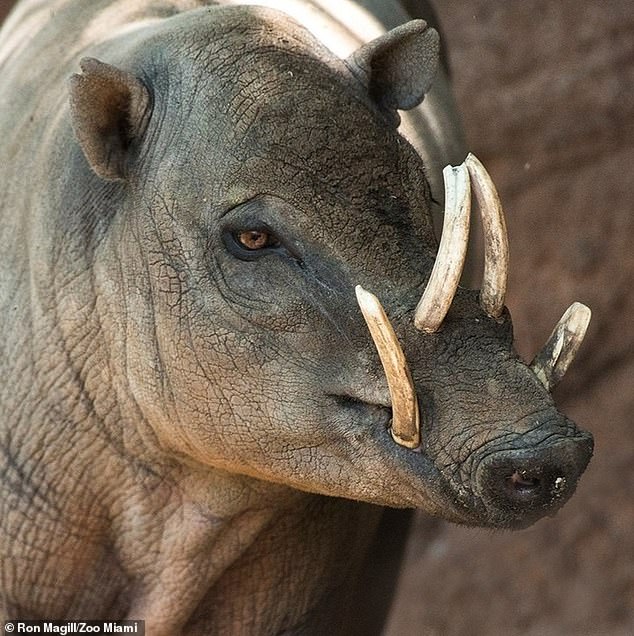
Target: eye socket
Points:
(254, 240)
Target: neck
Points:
(228, 554)
(186, 548)
(105, 529)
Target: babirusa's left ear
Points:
(398, 68)
(109, 109)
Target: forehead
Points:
(255, 67)
(271, 111)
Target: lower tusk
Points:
(552, 362)
(405, 426)
(445, 276)
(496, 246)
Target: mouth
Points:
(371, 416)
(412, 481)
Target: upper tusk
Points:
(445, 276)
(552, 362)
(405, 426)
(496, 246)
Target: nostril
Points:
(521, 483)
(518, 486)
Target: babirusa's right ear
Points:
(398, 68)
(109, 109)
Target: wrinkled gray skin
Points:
(194, 434)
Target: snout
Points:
(519, 486)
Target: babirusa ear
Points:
(398, 68)
(109, 110)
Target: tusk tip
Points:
(360, 292)
(476, 170)
(459, 173)
(552, 362)
(368, 302)
(578, 317)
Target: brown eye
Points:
(256, 239)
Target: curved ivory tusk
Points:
(445, 276)
(496, 245)
(552, 362)
(405, 426)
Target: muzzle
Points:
(549, 365)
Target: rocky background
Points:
(547, 94)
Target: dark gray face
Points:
(266, 185)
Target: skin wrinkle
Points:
(245, 541)
(83, 391)
(243, 302)
(235, 296)
(291, 361)
(177, 263)
(118, 439)
(491, 432)
(199, 362)
(244, 102)
(31, 472)
(469, 468)
(110, 413)
(23, 484)
(250, 319)
(322, 309)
